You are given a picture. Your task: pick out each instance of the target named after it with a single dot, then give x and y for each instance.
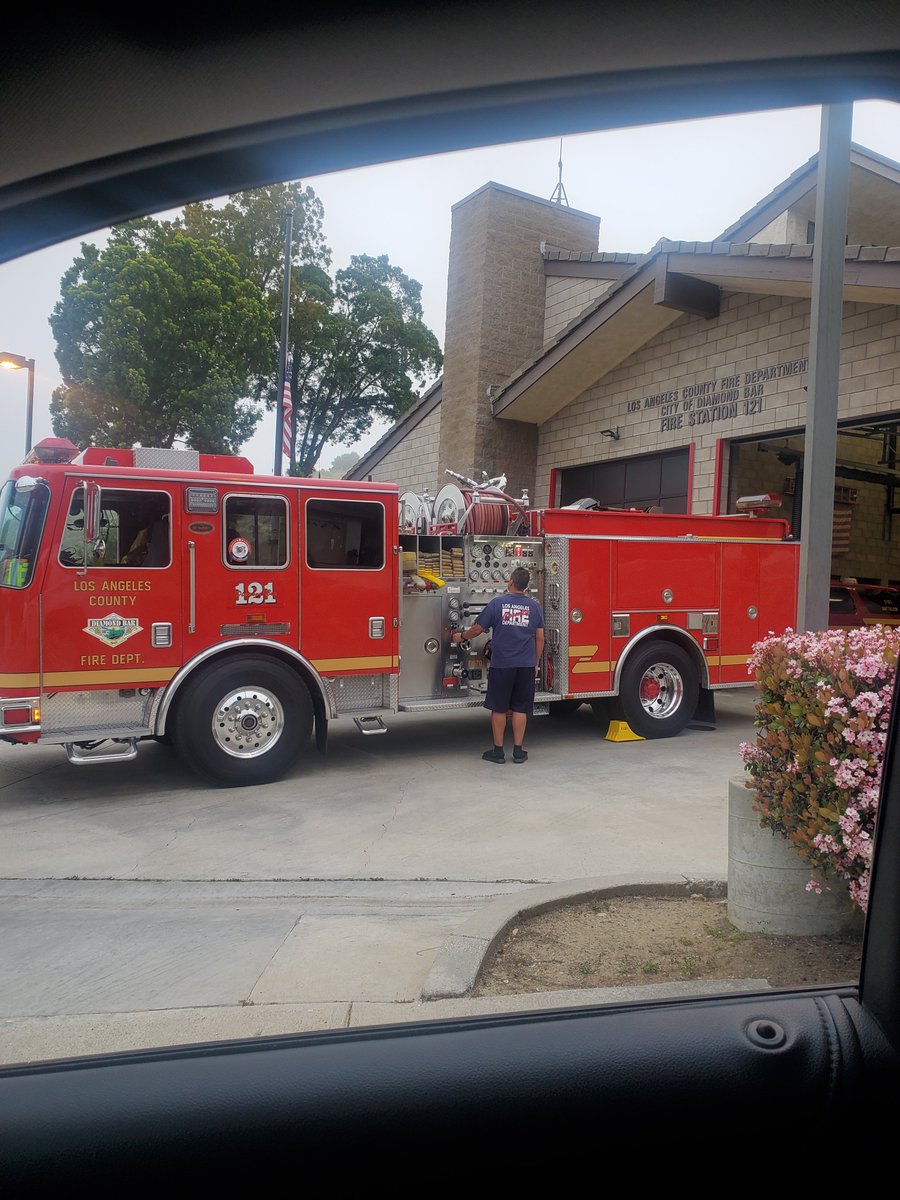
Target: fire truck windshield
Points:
(21, 522)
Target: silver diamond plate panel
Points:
(358, 693)
(158, 457)
(556, 607)
(391, 692)
(541, 699)
(92, 713)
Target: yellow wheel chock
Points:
(621, 731)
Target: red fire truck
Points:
(178, 596)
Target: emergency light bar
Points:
(52, 450)
(758, 506)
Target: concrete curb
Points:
(460, 960)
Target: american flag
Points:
(287, 411)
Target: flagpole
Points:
(283, 349)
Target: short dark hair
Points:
(520, 579)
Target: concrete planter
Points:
(767, 880)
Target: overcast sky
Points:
(687, 181)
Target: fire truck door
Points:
(111, 598)
(349, 582)
(240, 568)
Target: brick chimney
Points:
(495, 323)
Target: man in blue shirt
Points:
(517, 644)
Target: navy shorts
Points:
(510, 688)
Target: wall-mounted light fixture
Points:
(611, 433)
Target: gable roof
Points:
(866, 166)
(673, 279)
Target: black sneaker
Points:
(519, 755)
(496, 755)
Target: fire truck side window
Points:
(134, 531)
(343, 534)
(256, 531)
(21, 522)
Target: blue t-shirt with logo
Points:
(513, 618)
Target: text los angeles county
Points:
(721, 398)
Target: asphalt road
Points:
(133, 891)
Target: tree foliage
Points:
(159, 337)
(360, 356)
(358, 347)
(251, 226)
(172, 331)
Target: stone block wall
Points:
(567, 298)
(413, 463)
(495, 322)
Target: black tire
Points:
(564, 708)
(659, 690)
(243, 721)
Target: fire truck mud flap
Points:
(659, 690)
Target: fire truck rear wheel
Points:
(659, 690)
(243, 722)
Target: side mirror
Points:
(26, 484)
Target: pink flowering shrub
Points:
(822, 719)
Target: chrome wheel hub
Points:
(248, 722)
(661, 691)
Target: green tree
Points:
(342, 463)
(358, 347)
(251, 226)
(160, 336)
(357, 356)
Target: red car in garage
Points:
(855, 603)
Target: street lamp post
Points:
(16, 362)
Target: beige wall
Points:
(567, 298)
(413, 463)
(789, 228)
(752, 333)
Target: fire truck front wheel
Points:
(243, 721)
(659, 690)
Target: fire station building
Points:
(673, 379)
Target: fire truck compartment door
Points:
(349, 582)
(740, 611)
(588, 616)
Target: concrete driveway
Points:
(139, 904)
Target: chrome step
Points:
(370, 725)
(81, 757)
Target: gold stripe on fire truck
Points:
(727, 660)
(132, 676)
(66, 678)
(586, 666)
(374, 663)
(30, 679)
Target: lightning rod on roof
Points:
(559, 192)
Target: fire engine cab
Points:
(175, 595)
